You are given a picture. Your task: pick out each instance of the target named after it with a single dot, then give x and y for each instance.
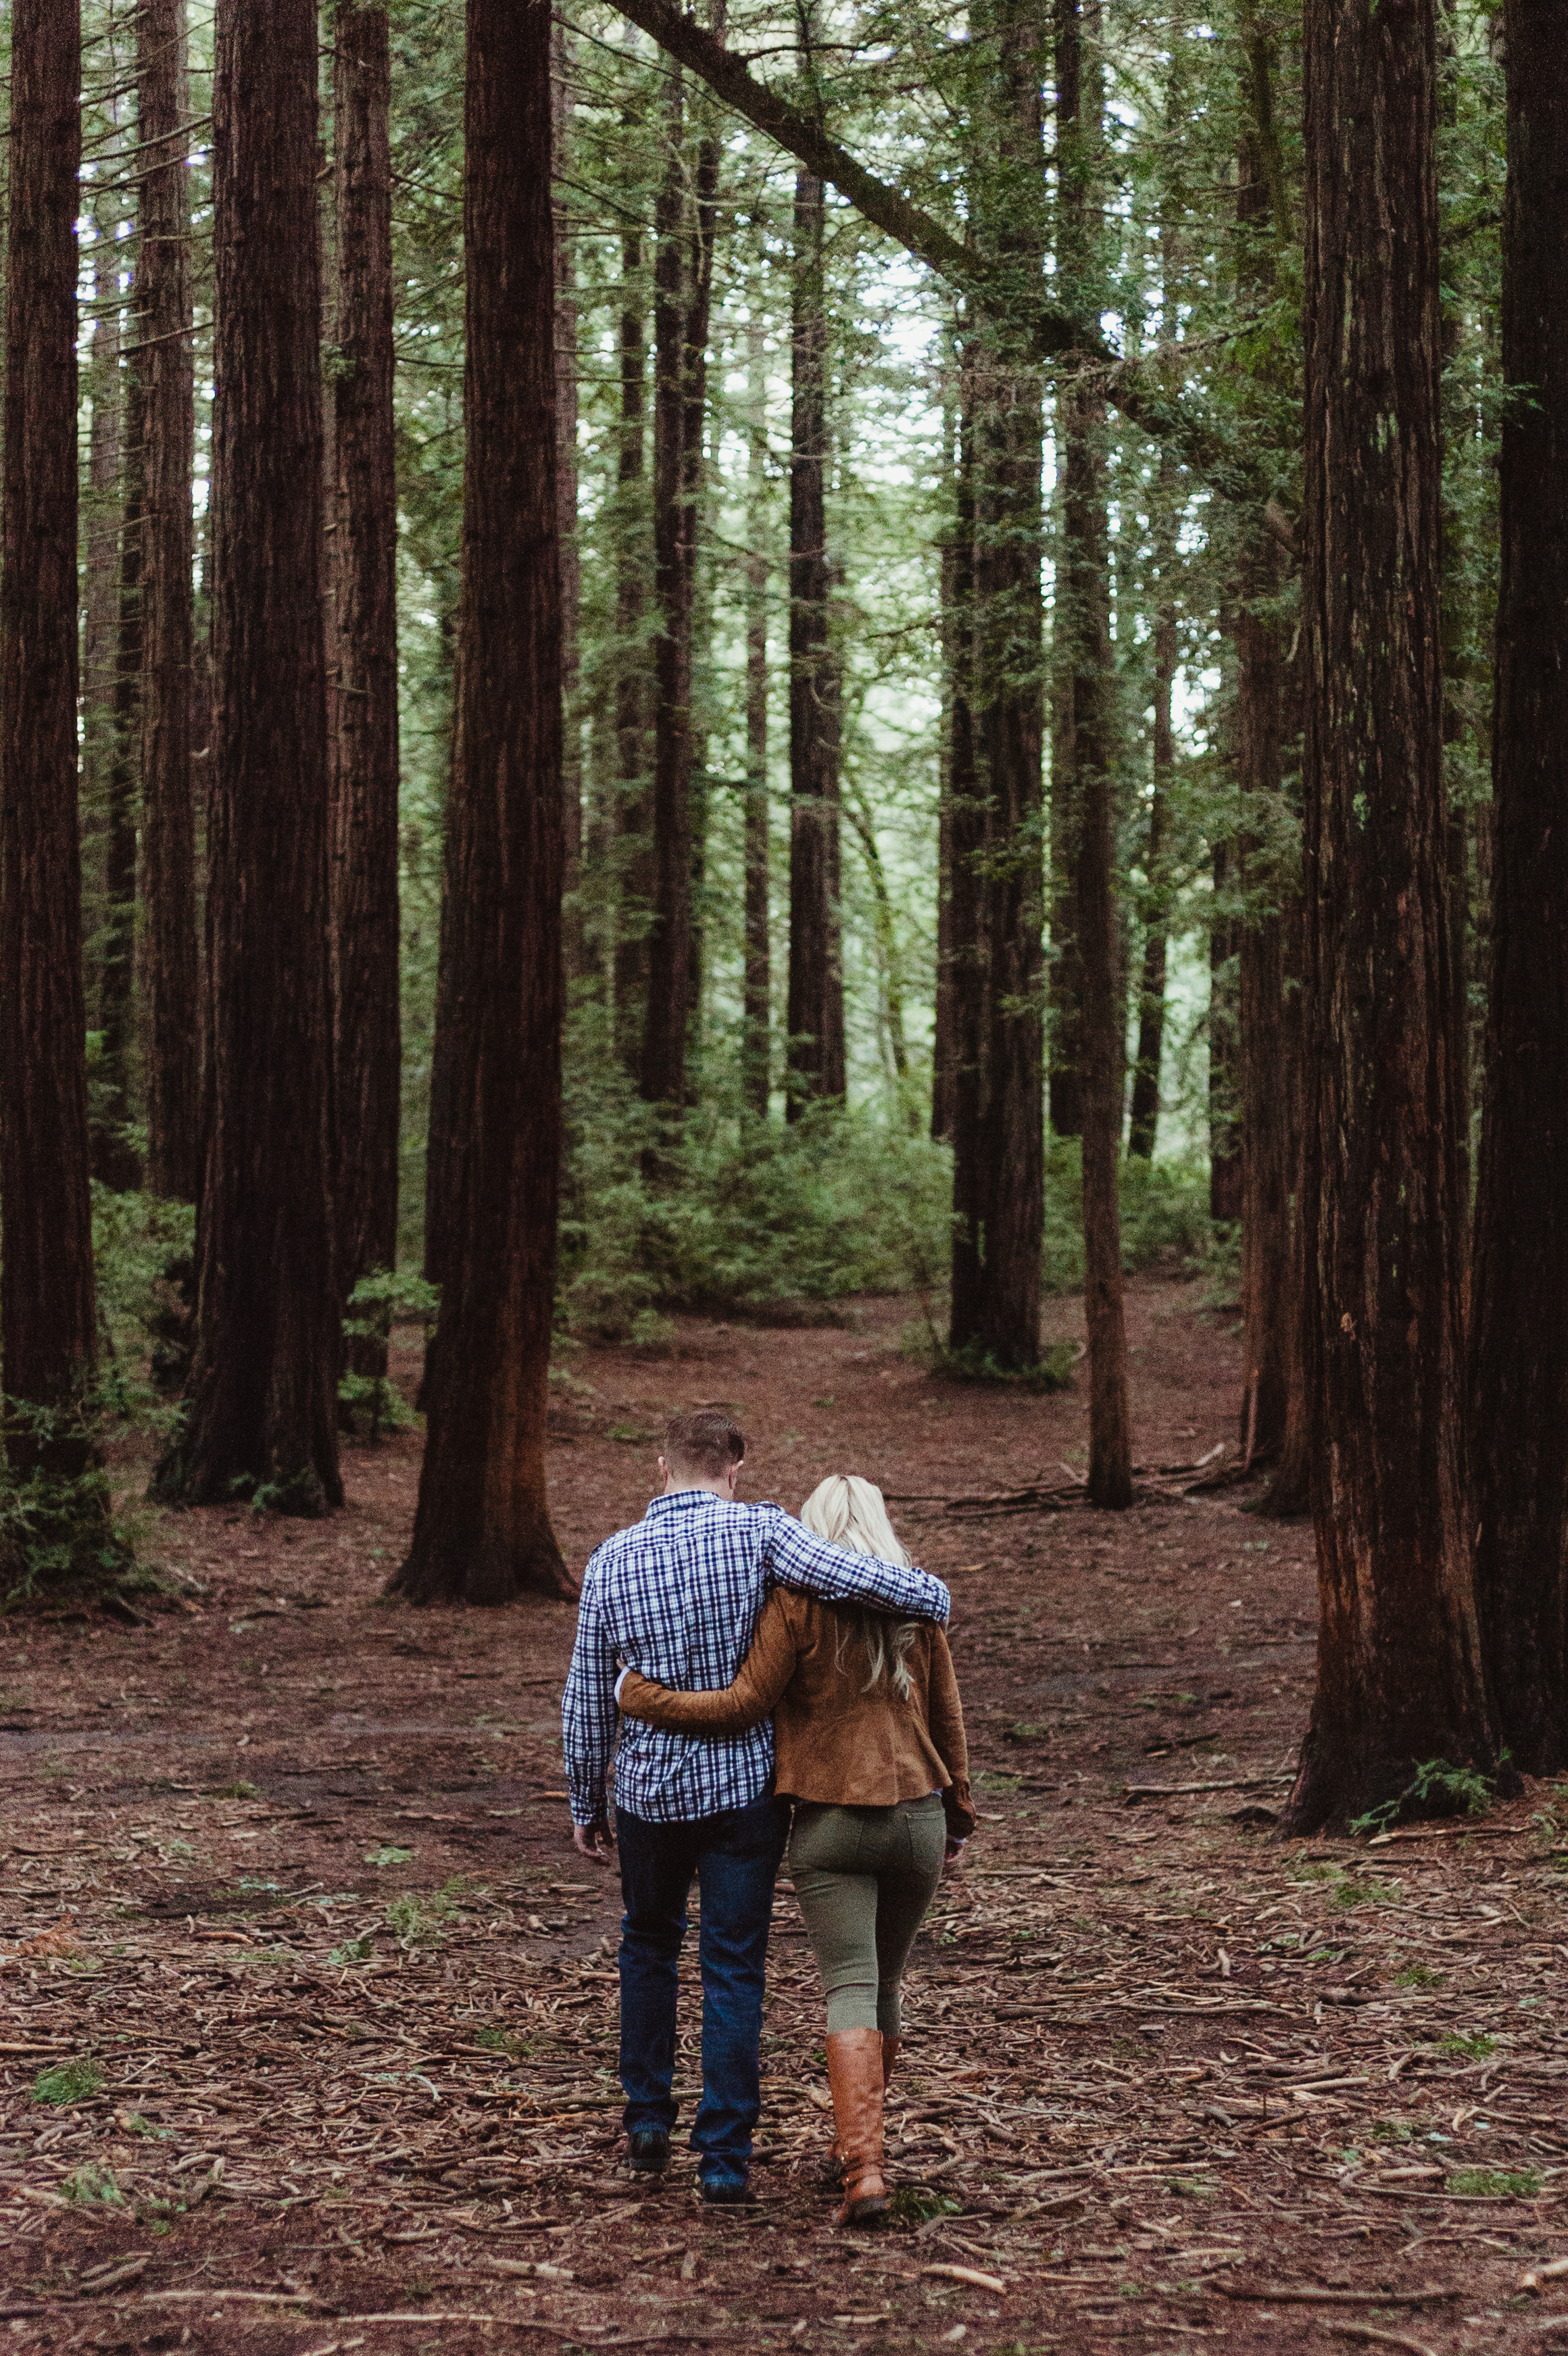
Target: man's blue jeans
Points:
(735, 1857)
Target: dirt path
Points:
(287, 1872)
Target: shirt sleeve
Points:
(750, 1697)
(795, 1556)
(944, 1717)
(588, 1710)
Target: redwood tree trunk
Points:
(1143, 1120)
(168, 970)
(482, 1531)
(366, 932)
(1519, 1365)
(756, 1009)
(573, 936)
(633, 815)
(1400, 1669)
(101, 600)
(47, 1327)
(815, 1020)
(1085, 570)
(667, 1004)
(262, 1409)
(967, 935)
(114, 1163)
(1224, 1056)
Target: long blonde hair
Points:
(850, 1512)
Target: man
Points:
(678, 1597)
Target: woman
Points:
(869, 1739)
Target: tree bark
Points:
(967, 910)
(1400, 1669)
(114, 1163)
(633, 815)
(667, 1002)
(1224, 1094)
(1084, 619)
(1144, 1122)
(944, 1026)
(482, 1532)
(168, 968)
(575, 947)
(262, 1409)
(1518, 1363)
(816, 1055)
(100, 601)
(366, 934)
(757, 1001)
(47, 1327)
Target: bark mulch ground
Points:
(307, 2006)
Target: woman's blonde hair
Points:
(849, 1512)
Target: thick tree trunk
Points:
(114, 1163)
(101, 600)
(757, 1013)
(262, 1410)
(944, 1027)
(1518, 1366)
(1225, 1172)
(573, 937)
(366, 927)
(169, 964)
(482, 1531)
(816, 1043)
(47, 1329)
(1400, 1669)
(969, 944)
(666, 1012)
(1085, 587)
(1144, 1122)
(633, 814)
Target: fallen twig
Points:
(968, 2275)
(1307, 2294)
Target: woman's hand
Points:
(954, 1850)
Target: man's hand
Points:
(594, 1841)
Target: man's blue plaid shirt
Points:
(679, 1596)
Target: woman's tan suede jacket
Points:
(834, 1742)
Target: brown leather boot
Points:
(830, 2176)
(855, 2076)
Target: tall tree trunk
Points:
(101, 603)
(169, 964)
(633, 817)
(693, 475)
(667, 1002)
(482, 1531)
(944, 1026)
(366, 926)
(756, 1005)
(1143, 1123)
(1519, 1365)
(1399, 1670)
(115, 1162)
(1224, 1046)
(968, 937)
(47, 1329)
(815, 1021)
(574, 950)
(261, 1411)
(1084, 571)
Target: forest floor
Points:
(288, 1901)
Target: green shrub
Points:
(371, 1402)
(67, 2081)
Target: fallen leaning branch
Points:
(1308, 2295)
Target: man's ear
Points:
(663, 1473)
(734, 1473)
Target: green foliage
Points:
(372, 1403)
(67, 2081)
(1460, 2047)
(419, 1921)
(356, 1951)
(972, 1365)
(1495, 2183)
(1459, 1787)
(388, 1854)
(58, 1534)
(910, 2204)
(1396, 2131)
(90, 2182)
(1165, 1226)
(1418, 1975)
(770, 1221)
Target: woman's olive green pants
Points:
(865, 1878)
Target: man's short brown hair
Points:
(706, 1443)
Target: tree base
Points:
(183, 1477)
(486, 1572)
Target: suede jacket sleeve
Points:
(944, 1717)
(759, 1682)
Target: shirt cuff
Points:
(622, 1678)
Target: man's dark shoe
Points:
(648, 2151)
(728, 2192)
